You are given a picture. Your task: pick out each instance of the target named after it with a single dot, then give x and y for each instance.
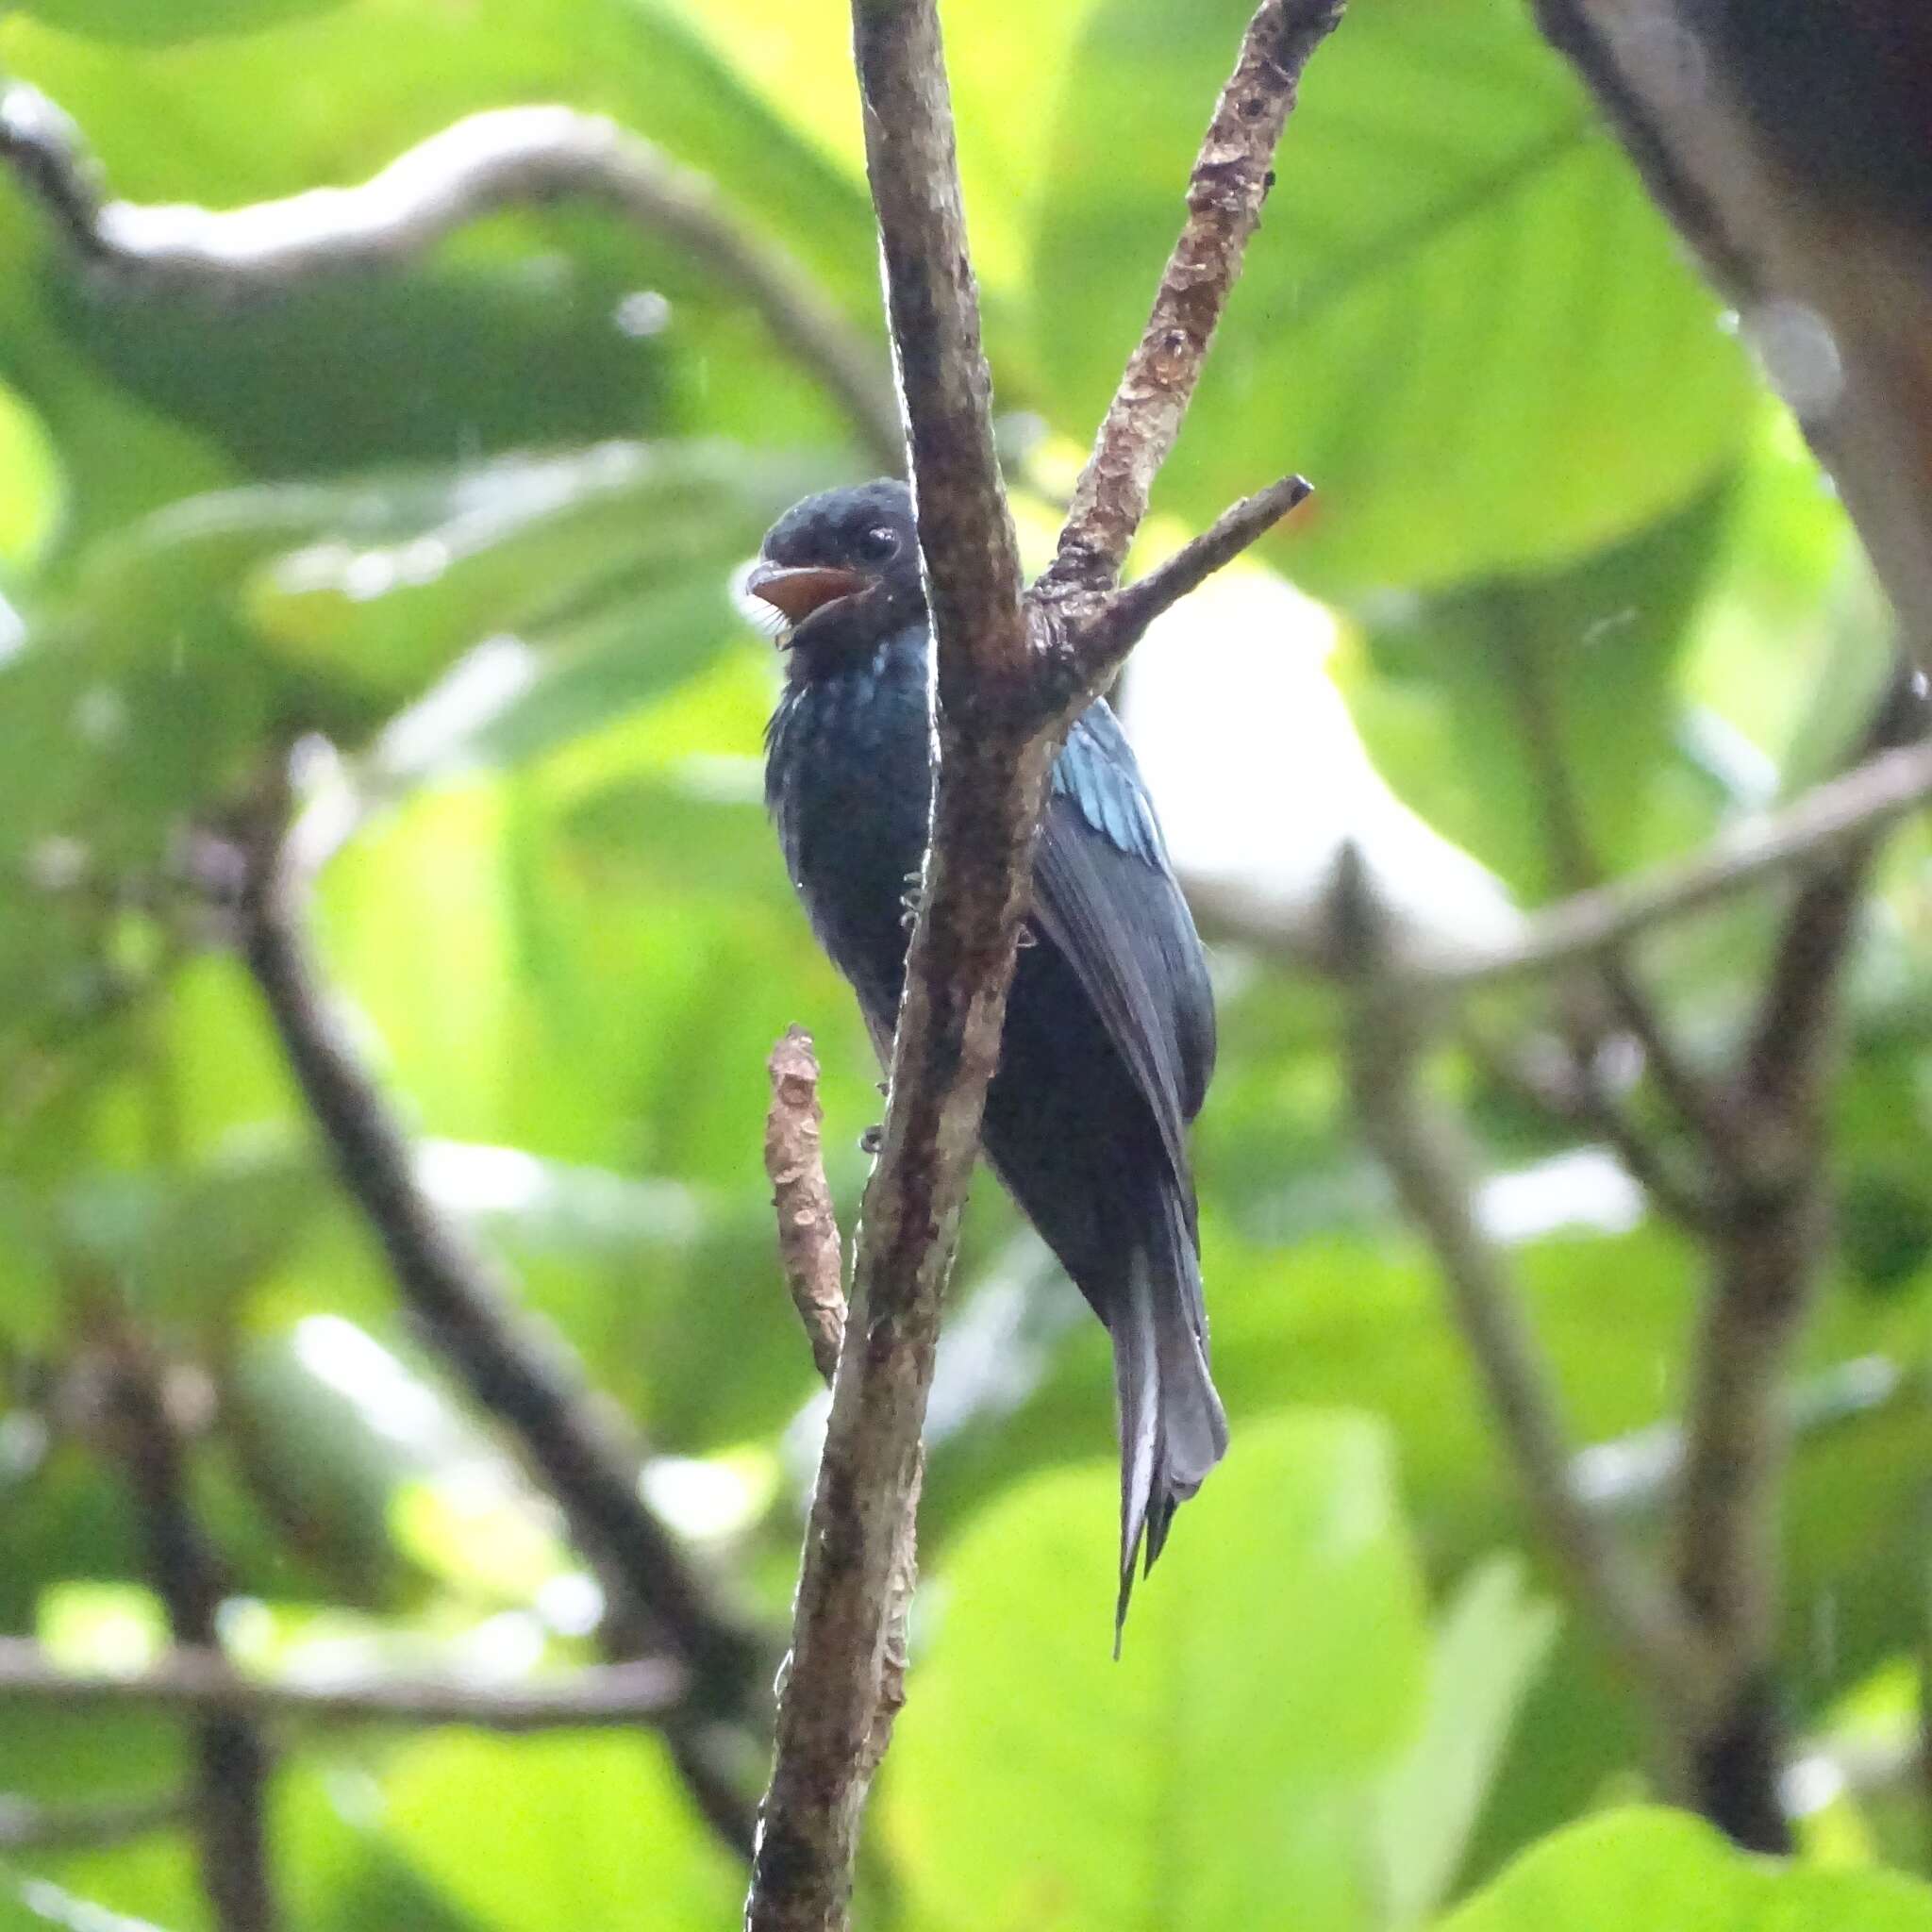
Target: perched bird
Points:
(1109, 1027)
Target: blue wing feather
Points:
(1106, 896)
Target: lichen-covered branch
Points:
(1009, 672)
(484, 163)
(809, 1254)
(989, 792)
(1231, 179)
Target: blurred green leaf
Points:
(168, 20)
(1462, 317)
(588, 1829)
(1501, 710)
(1669, 1873)
(181, 1246)
(1492, 1639)
(1035, 1781)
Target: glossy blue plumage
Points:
(1109, 1032)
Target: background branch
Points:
(1587, 923)
(232, 1762)
(1432, 1175)
(484, 163)
(199, 1680)
(1737, 117)
(517, 1371)
(1768, 1253)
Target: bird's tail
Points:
(1173, 1430)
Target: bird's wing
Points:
(1104, 896)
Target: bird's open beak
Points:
(795, 592)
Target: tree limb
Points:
(232, 1763)
(1231, 179)
(1009, 675)
(517, 1371)
(990, 788)
(1587, 923)
(1421, 1152)
(1737, 117)
(484, 163)
(200, 1681)
(1769, 1251)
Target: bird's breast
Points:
(848, 778)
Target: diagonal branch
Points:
(1589, 923)
(1231, 177)
(517, 1371)
(487, 161)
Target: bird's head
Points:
(841, 570)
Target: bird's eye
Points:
(879, 544)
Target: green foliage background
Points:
(478, 535)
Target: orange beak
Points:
(795, 592)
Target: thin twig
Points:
(809, 1249)
(1431, 1173)
(1129, 611)
(517, 1371)
(487, 161)
(1231, 177)
(1685, 1088)
(28, 1825)
(1590, 924)
(232, 1762)
(202, 1681)
(809, 1253)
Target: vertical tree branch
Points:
(1768, 1255)
(990, 789)
(232, 1761)
(1008, 677)
(517, 1371)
